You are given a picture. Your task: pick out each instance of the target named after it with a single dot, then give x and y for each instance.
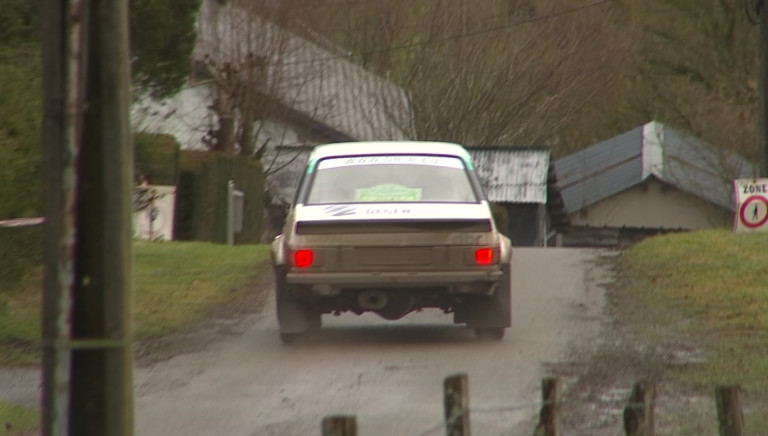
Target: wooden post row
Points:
(550, 408)
(639, 412)
(456, 403)
(339, 425)
(729, 413)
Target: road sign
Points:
(751, 205)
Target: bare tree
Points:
(698, 70)
(236, 53)
(269, 70)
(491, 71)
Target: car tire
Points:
(490, 315)
(294, 317)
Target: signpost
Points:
(751, 205)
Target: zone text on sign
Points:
(754, 188)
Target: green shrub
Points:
(201, 207)
(157, 158)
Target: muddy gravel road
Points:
(236, 378)
(388, 374)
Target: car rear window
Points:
(391, 178)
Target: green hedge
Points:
(201, 207)
(157, 158)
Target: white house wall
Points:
(187, 116)
(653, 205)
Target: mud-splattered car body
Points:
(391, 227)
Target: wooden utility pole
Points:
(763, 23)
(87, 335)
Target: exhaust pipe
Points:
(372, 300)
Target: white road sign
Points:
(751, 205)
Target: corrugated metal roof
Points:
(321, 85)
(652, 150)
(512, 174)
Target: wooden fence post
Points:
(550, 408)
(729, 413)
(639, 411)
(339, 426)
(456, 402)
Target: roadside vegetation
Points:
(703, 295)
(709, 286)
(175, 284)
(16, 420)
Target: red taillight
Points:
(303, 258)
(484, 256)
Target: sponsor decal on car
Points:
(374, 211)
(387, 192)
(340, 210)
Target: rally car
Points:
(391, 228)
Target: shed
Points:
(522, 181)
(652, 179)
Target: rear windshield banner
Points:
(454, 211)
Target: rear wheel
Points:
(293, 316)
(490, 315)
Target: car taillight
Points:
(303, 258)
(484, 256)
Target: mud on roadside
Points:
(597, 383)
(230, 318)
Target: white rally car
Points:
(389, 228)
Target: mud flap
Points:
(492, 312)
(292, 315)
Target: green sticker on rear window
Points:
(388, 192)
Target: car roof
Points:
(364, 148)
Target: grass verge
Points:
(16, 420)
(706, 291)
(175, 284)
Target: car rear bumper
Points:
(394, 279)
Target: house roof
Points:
(318, 84)
(652, 150)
